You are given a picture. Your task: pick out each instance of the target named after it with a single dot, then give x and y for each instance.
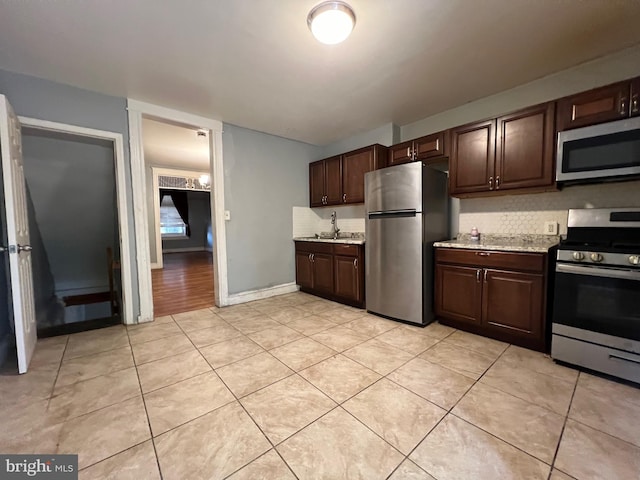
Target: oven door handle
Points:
(599, 272)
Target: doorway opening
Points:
(177, 165)
(73, 219)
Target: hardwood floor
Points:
(185, 283)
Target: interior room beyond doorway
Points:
(177, 166)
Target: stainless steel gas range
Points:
(596, 306)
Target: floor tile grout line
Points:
(53, 386)
(146, 412)
(237, 399)
(564, 425)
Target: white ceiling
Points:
(255, 64)
(174, 146)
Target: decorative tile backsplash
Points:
(527, 214)
(308, 221)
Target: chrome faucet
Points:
(334, 227)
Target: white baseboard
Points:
(251, 295)
(186, 249)
(155, 266)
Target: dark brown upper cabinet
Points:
(635, 97)
(525, 143)
(473, 150)
(433, 146)
(515, 151)
(339, 180)
(325, 177)
(604, 104)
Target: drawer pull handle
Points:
(485, 276)
(355, 263)
(478, 275)
(616, 357)
(483, 254)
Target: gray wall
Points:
(199, 222)
(265, 176)
(72, 184)
(46, 100)
(387, 134)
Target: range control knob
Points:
(596, 257)
(579, 256)
(634, 259)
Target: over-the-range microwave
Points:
(602, 152)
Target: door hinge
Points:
(13, 249)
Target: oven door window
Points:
(599, 304)
(604, 152)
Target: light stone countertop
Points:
(355, 239)
(515, 243)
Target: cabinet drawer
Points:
(314, 247)
(531, 262)
(345, 249)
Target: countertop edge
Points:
(496, 247)
(349, 241)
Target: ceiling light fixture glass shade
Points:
(331, 22)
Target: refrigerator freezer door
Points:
(394, 188)
(394, 266)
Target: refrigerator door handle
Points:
(393, 213)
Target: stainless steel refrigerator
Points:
(406, 211)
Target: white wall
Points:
(526, 214)
(309, 221)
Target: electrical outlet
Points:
(550, 228)
(227, 215)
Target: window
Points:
(171, 225)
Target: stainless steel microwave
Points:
(602, 152)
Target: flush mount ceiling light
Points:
(331, 22)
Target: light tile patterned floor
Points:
(299, 387)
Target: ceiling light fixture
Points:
(331, 22)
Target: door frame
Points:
(156, 172)
(124, 211)
(136, 110)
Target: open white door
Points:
(19, 248)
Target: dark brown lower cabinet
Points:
(331, 270)
(502, 295)
(347, 276)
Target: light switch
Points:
(227, 215)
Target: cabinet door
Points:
(524, 148)
(316, 183)
(304, 270)
(400, 153)
(354, 165)
(322, 272)
(635, 97)
(472, 157)
(347, 277)
(513, 302)
(432, 146)
(459, 293)
(595, 106)
(333, 180)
